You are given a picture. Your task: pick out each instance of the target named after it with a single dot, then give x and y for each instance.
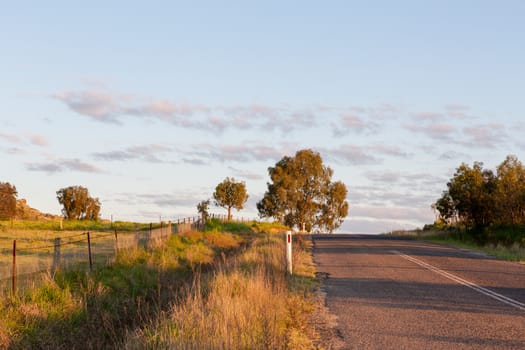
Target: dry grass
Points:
(247, 303)
(202, 290)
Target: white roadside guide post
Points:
(289, 252)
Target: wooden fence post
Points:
(13, 281)
(116, 243)
(89, 252)
(56, 254)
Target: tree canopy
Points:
(8, 196)
(203, 209)
(301, 192)
(477, 197)
(230, 194)
(78, 204)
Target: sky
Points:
(151, 104)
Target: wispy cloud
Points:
(62, 165)
(149, 153)
(107, 107)
(428, 116)
(487, 135)
(353, 123)
(11, 138)
(206, 153)
(457, 110)
(16, 151)
(362, 155)
(436, 131)
(391, 213)
(165, 200)
(350, 154)
(25, 139)
(97, 105)
(39, 140)
(452, 155)
(245, 174)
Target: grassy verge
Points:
(210, 289)
(248, 302)
(26, 226)
(509, 252)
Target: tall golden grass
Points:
(202, 290)
(246, 303)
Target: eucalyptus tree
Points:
(301, 194)
(230, 194)
(510, 191)
(78, 204)
(8, 196)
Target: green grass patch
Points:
(248, 302)
(72, 225)
(510, 252)
(207, 289)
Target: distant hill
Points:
(25, 212)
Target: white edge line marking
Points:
(464, 282)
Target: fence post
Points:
(137, 236)
(161, 232)
(89, 252)
(13, 281)
(289, 252)
(56, 254)
(116, 243)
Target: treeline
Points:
(479, 198)
(300, 194)
(76, 202)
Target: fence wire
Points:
(20, 267)
(32, 258)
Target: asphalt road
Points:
(392, 293)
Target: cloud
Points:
(361, 155)
(351, 154)
(393, 151)
(436, 131)
(395, 194)
(353, 123)
(39, 140)
(148, 153)
(457, 110)
(16, 151)
(487, 135)
(163, 200)
(98, 105)
(106, 107)
(391, 213)
(453, 155)
(11, 138)
(206, 153)
(202, 154)
(34, 139)
(428, 116)
(246, 174)
(62, 165)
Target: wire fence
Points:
(23, 261)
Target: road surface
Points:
(391, 293)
